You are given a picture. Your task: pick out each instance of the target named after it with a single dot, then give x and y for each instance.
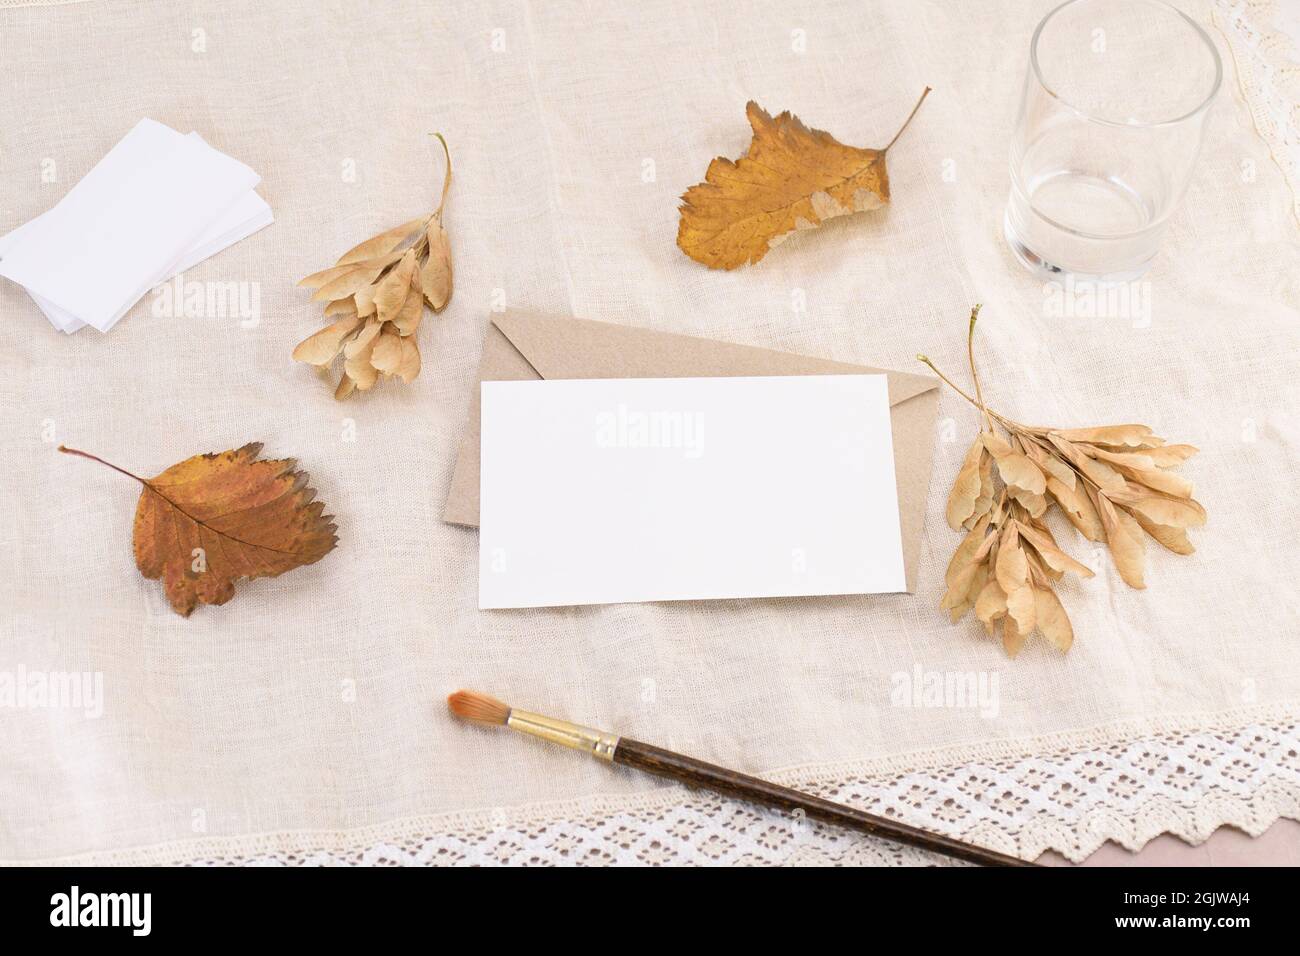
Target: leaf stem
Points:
(970, 357)
(446, 179)
(924, 94)
(1007, 423)
(85, 454)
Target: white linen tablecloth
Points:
(304, 720)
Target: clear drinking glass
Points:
(1113, 114)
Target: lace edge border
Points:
(1271, 54)
(1253, 814)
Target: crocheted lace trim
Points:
(1268, 70)
(1069, 793)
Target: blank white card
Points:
(613, 490)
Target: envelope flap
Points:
(525, 345)
(583, 348)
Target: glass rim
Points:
(1084, 114)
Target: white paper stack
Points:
(157, 204)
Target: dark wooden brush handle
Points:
(697, 773)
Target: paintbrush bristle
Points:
(478, 707)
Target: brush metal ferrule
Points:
(562, 732)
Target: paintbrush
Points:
(696, 773)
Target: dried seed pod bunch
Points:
(1111, 481)
(379, 289)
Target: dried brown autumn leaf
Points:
(792, 178)
(379, 288)
(215, 519)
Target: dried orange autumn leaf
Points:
(379, 287)
(792, 178)
(215, 519)
(1109, 481)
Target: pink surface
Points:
(1279, 845)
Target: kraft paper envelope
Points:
(527, 345)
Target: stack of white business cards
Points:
(157, 204)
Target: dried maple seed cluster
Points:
(1111, 482)
(380, 288)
